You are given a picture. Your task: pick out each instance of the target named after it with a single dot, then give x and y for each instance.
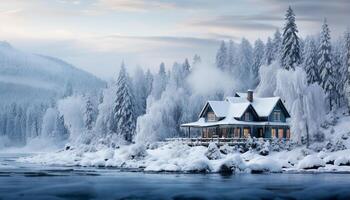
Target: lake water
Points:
(25, 181)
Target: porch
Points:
(243, 131)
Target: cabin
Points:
(243, 116)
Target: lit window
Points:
(237, 132)
(246, 132)
(273, 133)
(280, 133)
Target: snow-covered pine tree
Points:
(231, 56)
(258, 60)
(124, 110)
(346, 63)
(290, 57)
(245, 63)
(277, 43)
(196, 60)
(325, 63)
(149, 81)
(140, 91)
(269, 52)
(339, 71)
(180, 72)
(159, 82)
(90, 113)
(221, 56)
(310, 61)
(68, 89)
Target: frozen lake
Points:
(24, 181)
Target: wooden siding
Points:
(277, 108)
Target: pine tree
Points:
(276, 42)
(325, 63)
(339, 71)
(346, 63)
(245, 63)
(258, 59)
(310, 62)
(180, 72)
(159, 82)
(196, 60)
(221, 56)
(140, 91)
(90, 113)
(149, 82)
(290, 43)
(231, 56)
(269, 52)
(68, 90)
(124, 110)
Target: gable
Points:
(253, 116)
(220, 108)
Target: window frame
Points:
(246, 116)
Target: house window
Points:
(280, 133)
(211, 116)
(246, 132)
(277, 116)
(288, 134)
(261, 133)
(273, 133)
(237, 132)
(247, 116)
(224, 132)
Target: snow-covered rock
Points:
(264, 164)
(311, 162)
(342, 161)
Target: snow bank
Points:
(179, 157)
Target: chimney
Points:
(250, 95)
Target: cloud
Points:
(133, 5)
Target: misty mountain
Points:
(26, 77)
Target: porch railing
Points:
(221, 141)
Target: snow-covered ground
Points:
(179, 157)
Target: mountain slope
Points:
(26, 77)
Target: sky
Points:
(97, 35)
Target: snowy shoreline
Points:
(180, 158)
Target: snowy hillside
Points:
(26, 77)
(29, 85)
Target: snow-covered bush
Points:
(213, 152)
(231, 163)
(137, 151)
(72, 110)
(265, 150)
(226, 149)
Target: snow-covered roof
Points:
(219, 107)
(234, 107)
(262, 105)
(229, 121)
